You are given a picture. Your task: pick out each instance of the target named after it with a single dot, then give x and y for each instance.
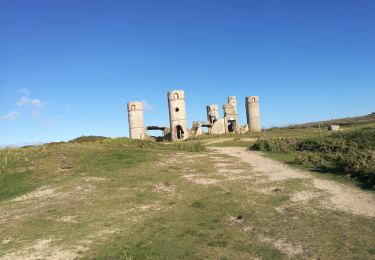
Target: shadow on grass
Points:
(326, 172)
(335, 174)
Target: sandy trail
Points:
(227, 139)
(340, 196)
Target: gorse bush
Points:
(348, 153)
(363, 138)
(275, 145)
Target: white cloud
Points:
(147, 105)
(37, 102)
(23, 101)
(24, 91)
(10, 116)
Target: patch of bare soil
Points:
(286, 248)
(42, 249)
(269, 190)
(94, 179)
(234, 174)
(50, 248)
(65, 219)
(163, 187)
(43, 192)
(340, 196)
(234, 220)
(42, 199)
(347, 198)
(274, 170)
(304, 196)
(217, 140)
(197, 179)
(167, 160)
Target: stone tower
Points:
(212, 113)
(177, 115)
(231, 115)
(252, 112)
(233, 101)
(137, 129)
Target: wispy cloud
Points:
(10, 116)
(24, 100)
(37, 102)
(147, 105)
(24, 91)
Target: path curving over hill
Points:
(340, 196)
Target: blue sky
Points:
(67, 68)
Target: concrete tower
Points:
(252, 112)
(231, 115)
(233, 101)
(177, 115)
(212, 113)
(137, 129)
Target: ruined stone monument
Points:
(177, 115)
(212, 113)
(252, 113)
(137, 129)
(178, 131)
(231, 115)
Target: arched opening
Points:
(179, 132)
(231, 125)
(175, 96)
(132, 107)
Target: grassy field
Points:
(102, 198)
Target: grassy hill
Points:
(368, 119)
(104, 198)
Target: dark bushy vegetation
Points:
(350, 153)
(370, 118)
(143, 144)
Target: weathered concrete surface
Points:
(230, 115)
(218, 127)
(212, 113)
(177, 115)
(137, 129)
(253, 113)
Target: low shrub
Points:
(342, 153)
(275, 145)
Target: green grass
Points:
(16, 184)
(108, 187)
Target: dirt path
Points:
(340, 196)
(222, 140)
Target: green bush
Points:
(341, 153)
(88, 139)
(275, 145)
(364, 138)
